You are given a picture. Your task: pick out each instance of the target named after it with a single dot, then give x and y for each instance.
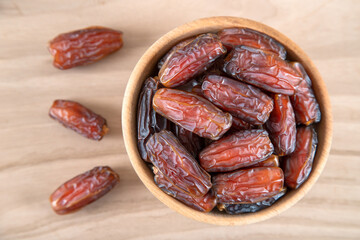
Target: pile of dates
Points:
(228, 122)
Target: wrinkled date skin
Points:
(192, 142)
(241, 100)
(298, 165)
(305, 106)
(232, 37)
(190, 60)
(272, 161)
(240, 149)
(84, 46)
(282, 126)
(192, 112)
(204, 203)
(83, 189)
(252, 207)
(239, 124)
(79, 118)
(176, 163)
(148, 121)
(248, 185)
(262, 69)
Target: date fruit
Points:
(84, 46)
(250, 207)
(192, 112)
(305, 106)
(148, 121)
(240, 149)
(248, 185)
(83, 189)
(241, 100)
(204, 203)
(262, 69)
(240, 124)
(297, 166)
(232, 37)
(190, 60)
(177, 164)
(282, 126)
(79, 118)
(272, 161)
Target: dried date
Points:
(240, 149)
(190, 60)
(248, 185)
(262, 69)
(83, 189)
(239, 124)
(204, 203)
(250, 207)
(282, 126)
(272, 161)
(148, 121)
(191, 141)
(79, 118)
(177, 164)
(192, 112)
(84, 46)
(304, 102)
(232, 37)
(241, 100)
(297, 166)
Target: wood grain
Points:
(38, 154)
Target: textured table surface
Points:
(38, 154)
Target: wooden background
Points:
(38, 154)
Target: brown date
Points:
(282, 126)
(305, 106)
(240, 149)
(173, 50)
(148, 121)
(239, 124)
(204, 203)
(272, 161)
(248, 185)
(79, 118)
(190, 60)
(297, 166)
(232, 37)
(262, 69)
(192, 142)
(84, 46)
(192, 112)
(83, 189)
(241, 100)
(177, 164)
(250, 207)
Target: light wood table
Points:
(38, 154)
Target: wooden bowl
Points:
(147, 67)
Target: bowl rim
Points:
(159, 48)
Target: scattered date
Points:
(83, 189)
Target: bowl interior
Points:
(146, 67)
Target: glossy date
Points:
(297, 166)
(177, 164)
(240, 149)
(241, 100)
(79, 118)
(83, 189)
(232, 37)
(191, 141)
(262, 69)
(204, 203)
(84, 46)
(192, 112)
(272, 161)
(148, 121)
(305, 106)
(248, 185)
(282, 126)
(190, 59)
